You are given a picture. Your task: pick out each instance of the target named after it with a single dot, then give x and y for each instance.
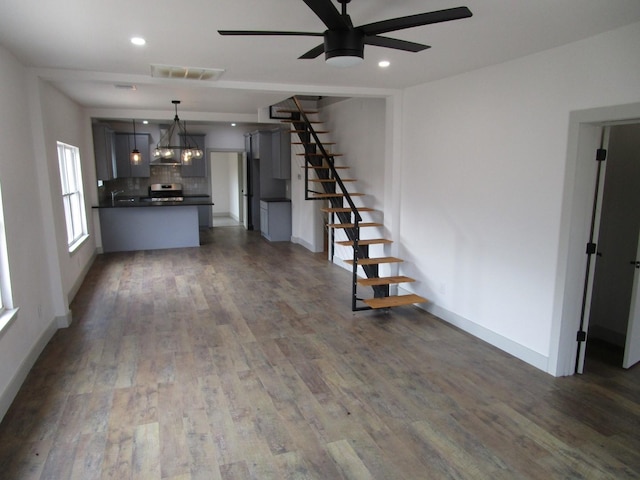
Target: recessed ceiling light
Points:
(233, 124)
(138, 41)
(384, 63)
(145, 122)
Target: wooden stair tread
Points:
(319, 154)
(368, 241)
(331, 180)
(346, 209)
(368, 282)
(307, 131)
(375, 261)
(291, 120)
(287, 110)
(325, 168)
(394, 301)
(352, 225)
(336, 195)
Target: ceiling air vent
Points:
(187, 73)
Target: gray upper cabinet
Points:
(281, 154)
(124, 143)
(261, 145)
(104, 152)
(197, 167)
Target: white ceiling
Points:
(83, 47)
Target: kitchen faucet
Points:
(113, 195)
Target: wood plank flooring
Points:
(241, 359)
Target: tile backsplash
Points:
(159, 174)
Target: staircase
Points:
(323, 182)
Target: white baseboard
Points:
(513, 348)
(78, 283)
(21, 373)
(305, 244)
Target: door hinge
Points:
(582, 336)
(591, 248)
(601, 154)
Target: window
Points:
(7, 311)
(72, 194)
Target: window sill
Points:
(76, 245)
(7, 317)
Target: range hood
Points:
(175, 159)
(166, 161)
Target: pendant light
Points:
(136, 156)
(177, 138)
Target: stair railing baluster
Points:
(356, 215)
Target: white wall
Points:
(482, 187)
(357, 126)
(65, 121)
(30, 262)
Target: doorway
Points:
(584, 136)
(611, 307)
(227, 169)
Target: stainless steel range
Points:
(166, 192)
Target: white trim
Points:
(523, 353)
(13, 386)
(305, 244)
(7, 317)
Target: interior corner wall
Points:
(482, 186)
(65, 121)
(22, 341)
(357, 127)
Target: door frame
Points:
(240, 154)
(577, 203)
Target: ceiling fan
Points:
(344, 44)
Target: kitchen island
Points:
(136, 223)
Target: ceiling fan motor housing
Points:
(343, 43)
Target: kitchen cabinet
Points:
(261, 145)
(281, 154)
(275, 219)
(197, 166)
(124, 143)
(104, 152)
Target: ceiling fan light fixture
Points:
(344, 60)
(343, 48)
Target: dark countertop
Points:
(128, 202)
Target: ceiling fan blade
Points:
(328, 13)
(418, 20)
(394, 43)
(269, 32)
(313, 53)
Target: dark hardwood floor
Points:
(241, 359)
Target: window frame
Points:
(8, 313)
(72, 189)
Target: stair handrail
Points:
(329, 160)
(357, 218)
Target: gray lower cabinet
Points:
(104, 152)
(124, 144)
(275, 219)
(204, 216)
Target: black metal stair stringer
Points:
(312, 144)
